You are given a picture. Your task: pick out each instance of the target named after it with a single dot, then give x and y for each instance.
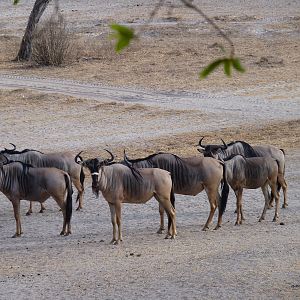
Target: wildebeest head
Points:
(9, 150)
(94, 165)
(211, 150)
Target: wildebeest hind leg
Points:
(213, 198)
(283, 184)
(29, 212)
(166, 204)
(80, 190)
(162, 222)
(239, 195)
(264, 189)
(42, 208)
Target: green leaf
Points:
(210, 68)
(237, 65)
(123, 30)
(227, 67)
(16, 2)
(123, 35)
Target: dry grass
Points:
(51, 45)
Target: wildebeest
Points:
(19, 181)
(121, 183)
(252, 173)
(60, 160)
(224, 150)
(191, 176)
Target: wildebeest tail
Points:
(278, 183)
(82, 176)
(172, 197)
(225, 192)
(69, 198)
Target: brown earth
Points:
(251, 261)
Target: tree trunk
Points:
(35, 15)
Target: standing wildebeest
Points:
(19, 181)
(60, 160)
(239, 147)
(252, 173)
(124, 184)
(191, 176)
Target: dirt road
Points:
(149, 99)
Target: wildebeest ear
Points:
(100, 162)
(200, 150)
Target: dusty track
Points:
(149, 99)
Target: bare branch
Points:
(189, 4)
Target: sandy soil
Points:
(149, 99)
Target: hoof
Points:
(217, 227)
(62, 233)
(114, 242)
(205, 228)
(160, 230)
(28, 213)
(285, 205)
(16, 235)
(41, 211)
(79, 208)
(170, 236)
(261, 219)
(274, 219)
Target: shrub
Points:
(51, 43)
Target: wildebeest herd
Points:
(35, 176)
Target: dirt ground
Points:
(148, 99)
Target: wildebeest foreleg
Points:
(16, 206)
(114, 223)
(118, 207)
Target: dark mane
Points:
(135, 172)
(7, 151)
(249, 151)
(25, 166)
(232, 156)
(145, 158)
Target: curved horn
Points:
(11, 149)
(80, 161)
(224, 144)
(128, 163)
(200, 143)
(112, 156)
